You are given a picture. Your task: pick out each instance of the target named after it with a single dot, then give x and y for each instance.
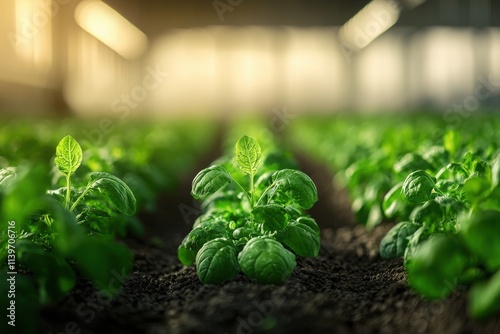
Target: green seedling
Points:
(253, 221)
(57, 232)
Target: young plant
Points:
(253, 220)
(58, 230)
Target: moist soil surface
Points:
(348, 288)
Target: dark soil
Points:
(348, 288)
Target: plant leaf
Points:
(297, 186)
(395, 241)
(200, 236)
(394, 202)
(272, 216)
(117, 191)
(209, 180)
(475, 189)
(69, 233)
(302, 239)
(479, 231)
(436, 265)
(309, 222)
(428, 213)
(495, 172)
(411, 162)
(485, 297)
(7, 176)
(53, 274)
(68, 155)
(436, 155)
(186, 256)
(266, 260)
(418, 186)
(103, 261)
(25, 194)
(452, 141)
(217, 261)
(248, 155)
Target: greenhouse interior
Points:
(236, 166)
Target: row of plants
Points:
(148, 156)
(253, 221)
(440, 185)
(62, 209)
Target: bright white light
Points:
(369, 23)
(112, 29)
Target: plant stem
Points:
(80, 197)
(264, 193)
(68, 191)
(252, 190)
(439, 192)
(251, 197)
(243, 189)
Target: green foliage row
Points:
(440, 185)
(149, 157)
(63, 202)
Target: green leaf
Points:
(209, 180)
(411, 162)
(243, 232)
(266, 261)
(452, 142)
(451, 206)
(479, 231)
(116, 190)
(217, 261)
(25, 194)
(197, 238)
(248, 155)
(363, 210)
(491, 201)
(186, 256)
(69, 233)
(53, 274)
(436, 155)
(474, 164)
(221, 201)
(394, 201)
(495, 172)
(475, 188)
(203, 233)
(309, 222)
(105, 262)
(272, 216)
(68, 155)
(395, 241)
(375, 216)
(418, 186)
(7, 176)
(484, 298)
(297, 186)
(436, 265)
(418, 238)
(457, 169)
(428, 213)
(302, 239)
